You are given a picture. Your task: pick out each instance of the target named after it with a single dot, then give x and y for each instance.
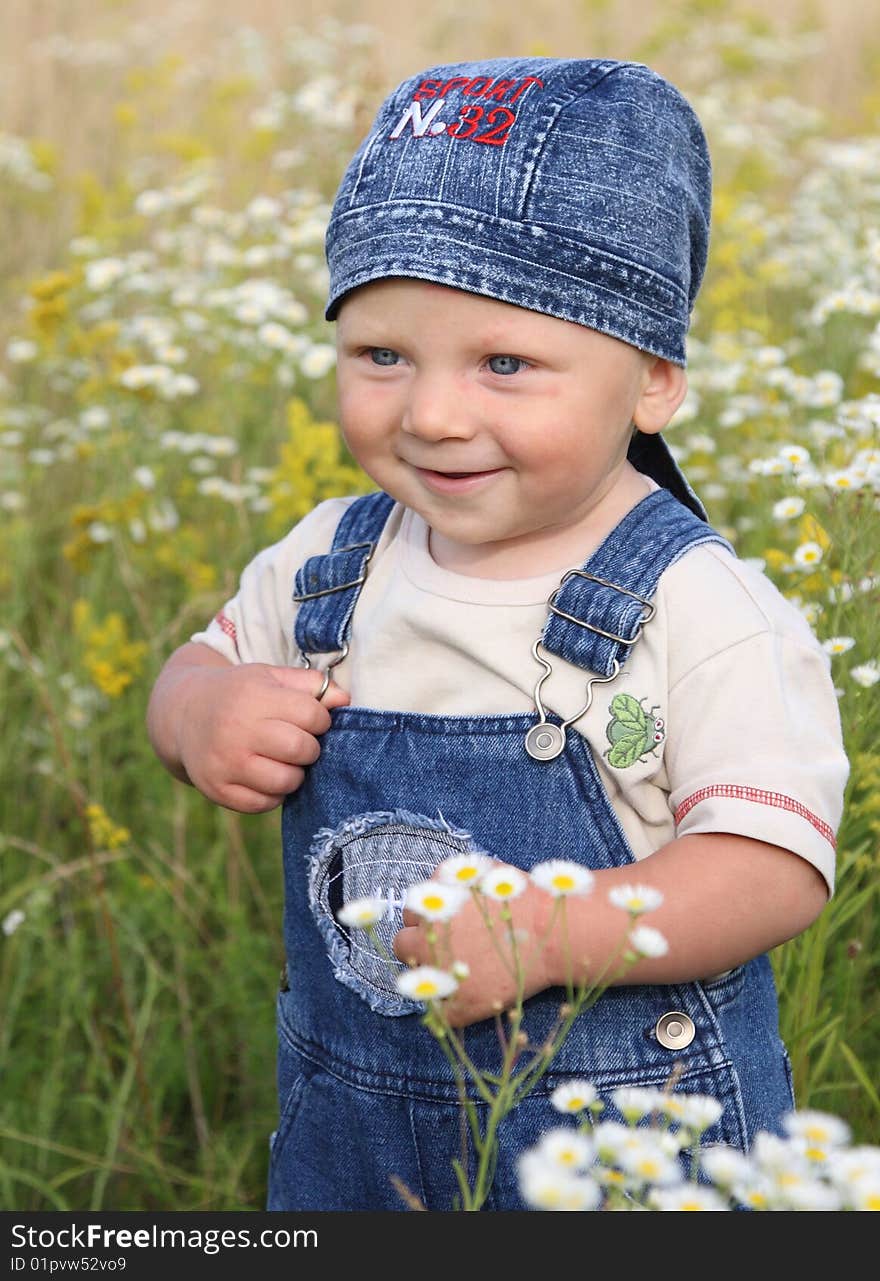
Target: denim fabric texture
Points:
(580, 188)
(364, 1090)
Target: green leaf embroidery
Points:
(627, 710)
(633, 731)
(626, 751)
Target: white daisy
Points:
(854, 1165)
(545, 1187)
(561, 877)
(818, 1132)
(425, 983)
(838, 644)
(635, 898)
(647, 941)
(635, 1101)
(648, 1163)
(573, 1096)
(866, 675)
(848, 478)
(810, 1194)
(463, 869)
(361, 912)
(612, 1139)
(755, 1191)
(865, 1194)
(503, 882)
(12, 920)
(20, 350)
(788, 508)
(566, 1149)
(725, 1165)
(807, 554)
(434, 900)
(700, 1111)
(690, 1196)
(794, 454)
(318, 360)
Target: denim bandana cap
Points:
(580, 188)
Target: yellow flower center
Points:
(691, 1205)
(466, 874)
(426, 988)
(433, 902)
(503, 887)
(575, 1104)
(563, 881)
(873, 1201)
(756, 1199)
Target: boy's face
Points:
(498, 425)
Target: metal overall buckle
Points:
(545, 741)
(327, 591)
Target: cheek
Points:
(357, 411)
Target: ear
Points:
(664, 387)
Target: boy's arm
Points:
(242, 733)
(726, 899)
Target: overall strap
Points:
(598, 611)
(327, 586)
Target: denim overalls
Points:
(365, 1092)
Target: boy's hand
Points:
(491, 984)
(245, 733)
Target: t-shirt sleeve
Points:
(256, 624)
(758, 749)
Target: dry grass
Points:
(35, 91)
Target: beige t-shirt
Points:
(751, 740)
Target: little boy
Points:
(540, 648)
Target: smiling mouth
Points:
(457, 475)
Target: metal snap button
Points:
(675, 1030)
(544, 741)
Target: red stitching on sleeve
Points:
(760, 797)
(228, 627)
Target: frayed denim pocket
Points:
(375, 855)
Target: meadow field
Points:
(167, 408)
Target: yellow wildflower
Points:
(103, 831)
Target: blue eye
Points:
(505, 364)
(383, 356)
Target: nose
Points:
(436, 408)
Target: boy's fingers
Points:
(309, 681)
(405, 945)
(335, 696)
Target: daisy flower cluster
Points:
(653, 1159)
(461, 876)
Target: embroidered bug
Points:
(632, 731)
